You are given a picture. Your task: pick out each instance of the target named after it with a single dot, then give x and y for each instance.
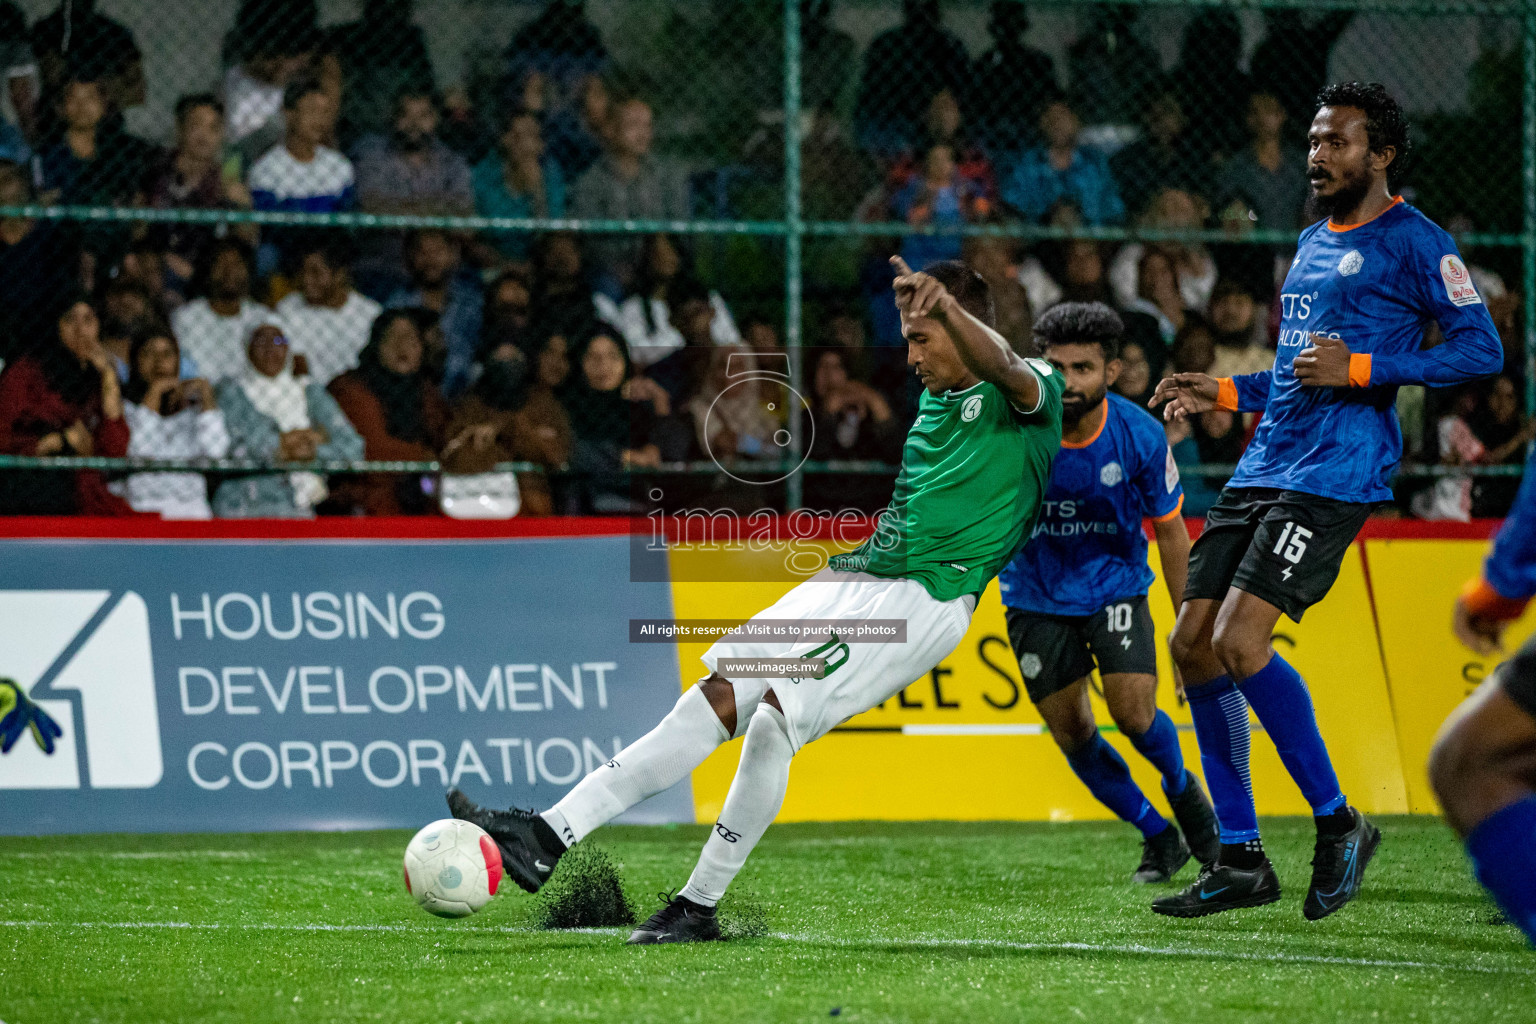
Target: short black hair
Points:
(295, 93)
(1081, 323)
(969, 288)
(1385, 123)
(191, 101)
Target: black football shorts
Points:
(1055, 651)
(1284, 547)
(1517, 677)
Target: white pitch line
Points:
(920, 942)
(1002, 729)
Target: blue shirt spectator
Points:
(1061, 171)
(301, 175)
(434, 260)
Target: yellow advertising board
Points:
(1415, 583)
(965, 743)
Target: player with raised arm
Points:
(1483, 765)
(974, 470)
(1076, 595)
(1364, 282)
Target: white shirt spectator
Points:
(216, 344)
(651, 340)
(328, 339)
(1195, 288)
(188, 434)
(280, 181)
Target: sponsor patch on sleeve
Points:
(1458, 281)
(1170, 473)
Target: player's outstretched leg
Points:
(1242, 875)
(531, 843)
(1132, 703)
(1483, 768)
(754, 799)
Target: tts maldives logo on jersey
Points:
(84, 657)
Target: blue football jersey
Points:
(1375, 286)
(1511, 564)
(1087, 548)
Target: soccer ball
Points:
(452, 868)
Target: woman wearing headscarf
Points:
(398, 411)
(273, 415)
(511, 415)
(169, 418)
(63, 399)
(614, 421)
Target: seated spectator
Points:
(1504, 430)
(614, 423)
(1170, 210)
(1157, 294)
(440, 283)
(302, 175)
(1111, 70)
(1162, 158)
(645, 317)
(18, 68)
(995, 260)
(213, 329)
(732, 423)
(399, 413)
(494, 422)
(192, 175)
(692, 312)
(919, 53)
(575, 131)
(1265, 178)
(943, 127)
(562, 299)
(275, 415)
(39, 261)
(92, 164)
(942, 197)
(1450, 498)
(761, 336)
(852, 419)
(1136, 378)
(508, 311)
(270, 49)
(627, 183)
(518, 180)
(1242, 341)
(1211, 85)
(327, 320)
(1072, 271)
(76, 36)
(381, 55)
(1062, 170)
(62, 398)
(1012, 80)
(169, 418)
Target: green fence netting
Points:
(350, 257)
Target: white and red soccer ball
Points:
(452, 868)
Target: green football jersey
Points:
(974, 471)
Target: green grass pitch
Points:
(867, 922)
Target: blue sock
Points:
(1284, 707)
(1104, 772)
(1503, 851)
(1221, 725)
(1160, 745)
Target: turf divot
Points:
(585, 892)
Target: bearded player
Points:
(1076, 595)
(974, 470)
(1483, 766)
(1365, 282)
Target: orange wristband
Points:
(1483, 602)
(1360, 370)
(1226, 394)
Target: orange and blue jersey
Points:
(1087, 548)
(1508, 581)
(1374, 286)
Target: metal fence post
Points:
(793, 235)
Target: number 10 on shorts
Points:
(1297, 546)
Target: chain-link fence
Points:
(476, 255)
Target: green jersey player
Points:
(974, 470)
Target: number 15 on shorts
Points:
(1292, 544)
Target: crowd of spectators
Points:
(593, 356)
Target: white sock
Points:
(757, 793)
(656, 761)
